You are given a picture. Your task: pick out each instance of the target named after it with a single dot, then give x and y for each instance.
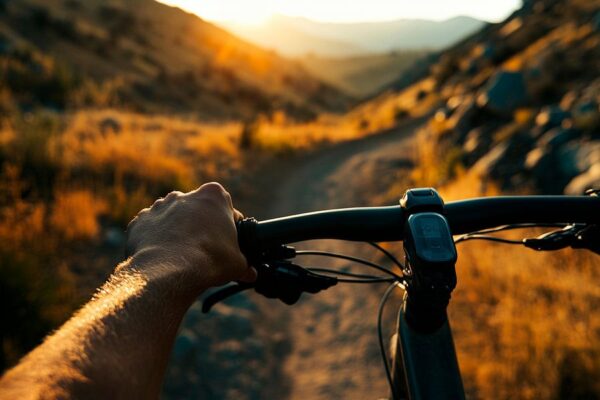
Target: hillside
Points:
(295, 36)
(362, 75)
(146, 56)
(518, 101)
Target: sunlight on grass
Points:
(525, 323)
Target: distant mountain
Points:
(365, 75)
(295, 41)
(147, 56)
(297, 36)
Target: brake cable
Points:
(382, 303)
(360, 278)
(349, 258)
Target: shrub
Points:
(75, 214)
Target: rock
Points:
(557, 137)
(461, 121)
(476, 144)
(539, 79)
(577, 157)
(506, 159)
(486, 164)
(596, 22)
(568, 100)
(486, 51)
(535, 157)
(588, 180)
(586, 115)
(504, 93)
(551, 117)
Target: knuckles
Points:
(212, 191)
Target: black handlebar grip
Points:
(248, 239)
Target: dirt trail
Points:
(332, 336)
(324, 347)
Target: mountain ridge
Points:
(148, 51)
(372, 37)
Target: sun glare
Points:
(255, 12)
(245, 12)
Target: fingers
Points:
(237, 215)
(249, 276)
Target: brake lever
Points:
(222, 294)
(277, 280)
(577, 236)
(588, 238)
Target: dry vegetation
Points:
(70, 182)
(525, 323)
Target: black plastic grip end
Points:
(248, 239)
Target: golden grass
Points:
(75, 214)
(525, 323)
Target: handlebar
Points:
(263, 243)
(381, 224)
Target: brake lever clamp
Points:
(286, 281)
(556, 240)
(277, 280)
(588, 238)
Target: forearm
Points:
(117, 346)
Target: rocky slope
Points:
(146, 56)
(520, 101)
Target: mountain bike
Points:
(425, 364)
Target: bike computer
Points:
(430, 239)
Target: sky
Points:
(253, 12)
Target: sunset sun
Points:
(242, 12)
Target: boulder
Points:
(569, 99)
(488, 163)
(577, 157)
(557, 137)
(596, 22)
(588, 180)
(505, 92)
(586, 115)
(551, 116)
(535, 158)
(461, 121)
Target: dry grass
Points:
(525, 323)
(385, 112)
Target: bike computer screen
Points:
(432, 238)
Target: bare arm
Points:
(117, 345)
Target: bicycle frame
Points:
(425, 364)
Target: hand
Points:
(190, 237)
